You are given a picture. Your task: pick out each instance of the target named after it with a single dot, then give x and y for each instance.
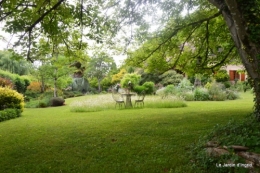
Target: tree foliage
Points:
(9, 63)
(99, 67)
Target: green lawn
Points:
(56, 140)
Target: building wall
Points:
(234, 75)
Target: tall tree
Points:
(99, 67)
(210, 34)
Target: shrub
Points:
(34, 86)
(201, 94)
(5, 83)
(138, 89)
(57, 101)
(11, 99)
(216, 92)
(208, 85)
(133, 77)
(149, 87)
(19, 85)
(167, 91)
(170, 90)
(185, 84)
(43, 104)
(188, 96)
(227, 84)
(32, 94)
(231, 95)
(9, 113)
(8, 75)
(171, 77)
(221, 76)
(221, 96)
(68, 94)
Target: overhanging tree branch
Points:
(176, 30)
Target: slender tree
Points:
(99, 67)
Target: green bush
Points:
(68, 94)
(57, 101)
(185, 84)
(201, 94)
(170, 90)
(232, 95)
(138, 89)
(171, 77)
(43, 104)
(9, 113)
(167, 91)
(11, 99)
(221, 96)
(149, 87)
(32, 94)
(19, 85)
(227, 84)
(216, 92)
(221, 76)
(133, 77)
(188, 96)
(8, 75)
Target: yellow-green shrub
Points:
(34, 86)
(11, 99)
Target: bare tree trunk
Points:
(99, 85)
(42, 84)
(248, 50)
(55, 87)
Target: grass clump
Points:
(92, 103)
(169, 102)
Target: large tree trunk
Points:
(248, 50)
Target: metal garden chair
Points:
(140, 99)
(118, 99)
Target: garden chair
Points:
(140, 99)
(118, 99)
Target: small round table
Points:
(128, 102)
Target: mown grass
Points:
(50, 140)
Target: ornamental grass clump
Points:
(169, 102)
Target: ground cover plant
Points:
(236, 132)
(127, 140)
